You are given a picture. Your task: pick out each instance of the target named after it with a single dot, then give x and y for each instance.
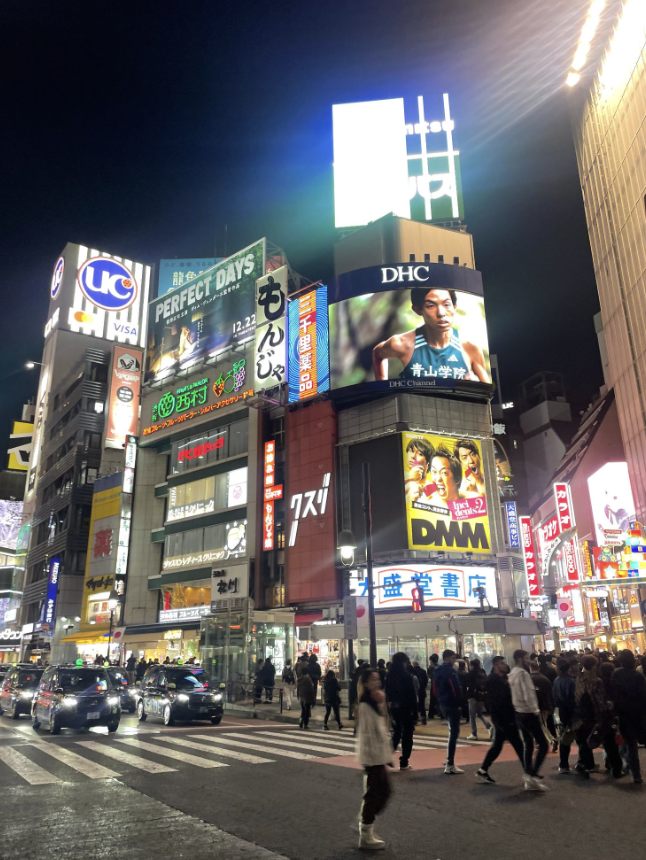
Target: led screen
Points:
(613, 507)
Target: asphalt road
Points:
(254, 790)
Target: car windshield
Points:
(83, 680)
(118, 677)
(29, 677)
(187, 680)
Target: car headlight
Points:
(70, 702)
(217, 697)
(113, 701)
(26, 694)
(182, 697)
(133, 693)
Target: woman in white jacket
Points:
(374, 751)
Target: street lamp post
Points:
(367, 517)
(113, 604)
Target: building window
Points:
(207, 448)
(207, 495)
(205, 547)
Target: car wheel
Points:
(168, 719)
(14, 712)
(113, 725)
(140, 711)
(35, 722)
(54, 726)
(215, 721)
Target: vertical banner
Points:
(271, 342)
(564, 509)
(272, 491)
(529, 549)
(49, 613)
(571, 566)
(125, 390)
(350, 618)
(511, 515)
(309, 349)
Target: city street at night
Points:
(255, 789)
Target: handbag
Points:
(568, 735)
(594, 738)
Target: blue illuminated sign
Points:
(107, 283)
(511, 515)
(52, 591)
(57, 277)
(175, 273)
(308, 351)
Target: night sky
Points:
(157, 129)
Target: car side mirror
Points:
(172, 686)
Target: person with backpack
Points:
(289, 683)
(331, 699)
(314, 671)
(475, 687)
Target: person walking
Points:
(525, 700)
(306, 696)
(433, 705)
(461, 672)
(301, 665)
(503, 715)
(545, 700)
(374, 751)
(315, 672)
(257, 693)
(402, 705)
(289, 684)
(629, 697)
(131, 666)
(449, 695)
(267, 679)
(564, 700)
(331, 699)
(422, 678)
(597, 718)
(475, 688)
(141, 669)
(546, 668)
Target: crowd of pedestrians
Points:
(596, 701)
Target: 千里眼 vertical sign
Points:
(271, 343)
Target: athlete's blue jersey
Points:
(447, 362)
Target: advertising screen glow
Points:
(446, 504)
(611, 497)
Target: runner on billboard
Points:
(467, 453)
(419, 453)
(435, 347)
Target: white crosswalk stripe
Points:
(175, 754)
(310, 741)
(239, 756)
(126, 758)
(26, 768)
(229, 739)
(83, 765)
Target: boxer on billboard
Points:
(433, 348)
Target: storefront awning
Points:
(86, 638)
(153, 629)
(302, 619)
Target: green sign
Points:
(195, 394)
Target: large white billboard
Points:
(611, 497)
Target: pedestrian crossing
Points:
(41, 762)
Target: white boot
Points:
(368, 839)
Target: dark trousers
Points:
(564, 754)
(631, 744)
(532, 731)
(421, 703)
(337, 713)
(306, 710)
(403, 726)
(376, 792)
(502, 733)
(452, 716)
(433, 706)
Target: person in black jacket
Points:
(422, 677)
(267, 679)
(503, 716)
(629, 698)
(433, 704)
(315, 672)
(332, 699)
(402, 704)
(564, 700)
(476, 678)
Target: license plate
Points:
(94, 715)
(204, 710)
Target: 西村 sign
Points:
(195, 394)
(271, 345)
(230, 583)
(441, 586)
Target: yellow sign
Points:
(172, 634)
(20, 450)
(446, 504)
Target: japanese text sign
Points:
(309, 372)
(529, 549)
(271, 341)
(564, 509)
(440, 586)
(272, 492)
(512, 524)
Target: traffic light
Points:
(418, 600)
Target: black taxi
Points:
(18, 689)
(76, 696)
(183, 693)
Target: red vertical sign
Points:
(271, 492)
(564, 510)
(529, 549)
(571, 565)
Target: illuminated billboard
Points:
(390, 158)
(176, 273)
(408, 326)
(442, 586)
(446, 503)
(308, 364)
(205, 316)
(611, 497)
(99, 295)
(125, 390)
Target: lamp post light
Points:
(114, 603)
(31, 364)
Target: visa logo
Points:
(124, 328)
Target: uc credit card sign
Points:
(446, 503)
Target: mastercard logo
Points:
(81, 317)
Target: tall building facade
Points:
(609, 98)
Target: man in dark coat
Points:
(402, 705)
